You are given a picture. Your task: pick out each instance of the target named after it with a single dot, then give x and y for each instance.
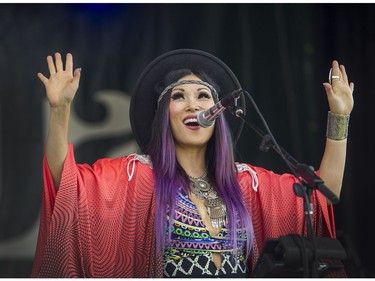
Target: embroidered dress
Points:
(191, 246)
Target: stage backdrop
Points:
(281, 54)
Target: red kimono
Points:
(101, 222)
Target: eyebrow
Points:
(178, 89)
(183, 90)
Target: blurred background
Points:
(281, 54)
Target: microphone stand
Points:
(308, 181)
(302, 171)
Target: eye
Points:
(177, 96)
(204, 95)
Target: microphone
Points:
(207, 117)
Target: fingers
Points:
(76, 76)
(343, 73)
(351, 87)
(334, 73)
(337, 73)
(328, 88)
(51, 65)
(69, 63)
(43, 78)
(59, 63)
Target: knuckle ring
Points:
(335, 77)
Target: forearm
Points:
(333, 164)
(57, 141)
(61, 88)
(340, 99)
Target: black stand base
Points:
(292, 256)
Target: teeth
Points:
(190, 120)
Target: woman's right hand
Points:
(62, 84)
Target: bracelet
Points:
(337, 126)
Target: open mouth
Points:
(191, 122)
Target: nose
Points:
(193, 105)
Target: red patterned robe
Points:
(101, 222)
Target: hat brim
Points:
(144, 98)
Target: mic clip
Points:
(236, 95)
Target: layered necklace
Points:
(215, 206)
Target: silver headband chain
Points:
(183, 82)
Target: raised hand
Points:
(339, 91)
(61, 88)
(63, 83)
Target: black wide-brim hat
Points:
(144, 97)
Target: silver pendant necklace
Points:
(215, 206)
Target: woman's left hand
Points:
(339, 91)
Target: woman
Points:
(185, 208)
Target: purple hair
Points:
(170, 176)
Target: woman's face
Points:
(187, 101)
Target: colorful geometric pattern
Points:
(191, 238)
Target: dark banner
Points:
(281, 54)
